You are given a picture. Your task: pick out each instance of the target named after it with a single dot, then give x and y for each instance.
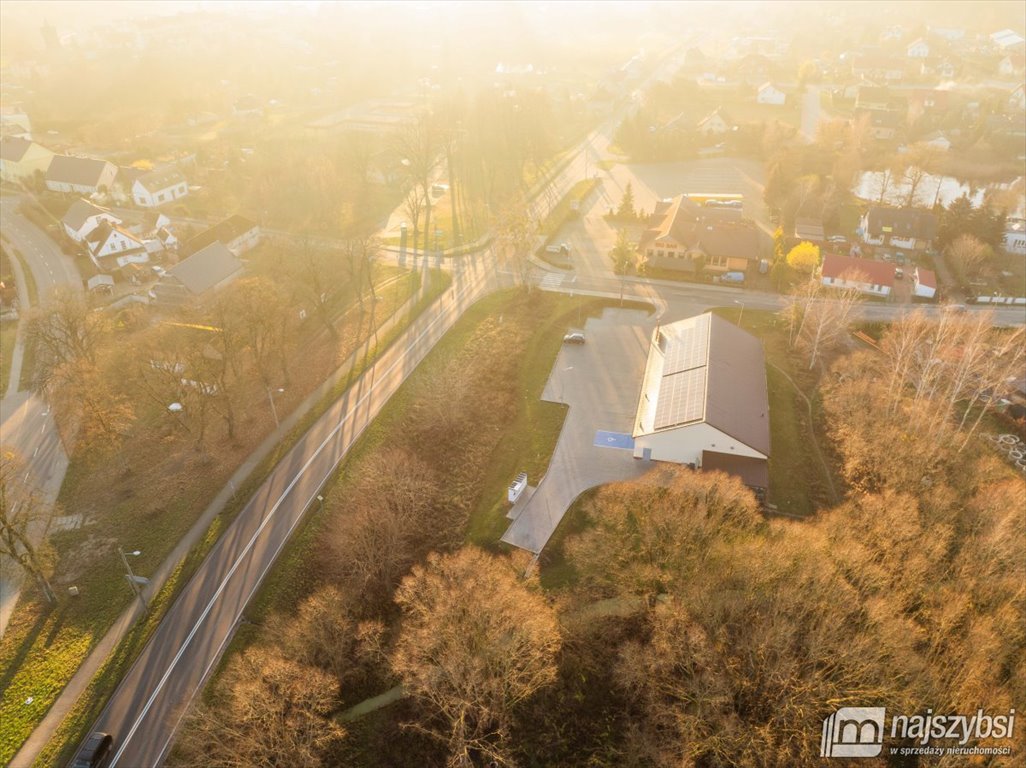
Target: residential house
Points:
(882, 126)
(15, 123)
(238, 233)
(1012, 65)
(716, 124)
(705, 400)
(198, 276)
(1007, 41)
(83, 217)
(908, 228)
(877, 67)
(111, 246)
(810, 230)
(924, 283)
(81, 175)
(892, 33)
(159, 187)
(687, 237)
(875, 278)
(770, 94)
(22, 158)
(1014, 240)
(918, 49)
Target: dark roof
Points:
(901, 222)
(206, 268)
(98, 236)
(155, 181)
(83, 171)
(127, 174)
(710, 371)
(225, 232)
(13, 148)
(715, 231)
(737, 402)
(809, 229)
(81, 210)
(875, 272)
(751, 471)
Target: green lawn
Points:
(44, 646)
(798, 483)
(8, 336)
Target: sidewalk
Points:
(78, 684)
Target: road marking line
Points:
(259, 530)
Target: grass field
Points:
(8, 336)
(44, 645)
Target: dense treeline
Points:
(691, 630)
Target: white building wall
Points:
(1015, 242)
(684, 445)
(870, 288)
(143, 197)
(117, 243)
(89, 225)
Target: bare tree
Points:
(418, 148)
(475, 642)
(413, 205)
(21, 508)
(514, 236)
(275, 712)
(104, 414)
(966, 254)
(819, 317)
(65, 330)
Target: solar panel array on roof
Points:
(681, 398)
(687, 347)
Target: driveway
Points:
(600, 381)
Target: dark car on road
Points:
(95, 751)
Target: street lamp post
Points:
(270, 399)
(741, 316)
(133, 580)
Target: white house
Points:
(898, 227)
(918, 49)
(924, 283)
(715, 124)
(112, 246)
(704, 399)
(875, 278)
(22, 158)
(770, 94)
(82, 175)
(83, 217)
(159, 187)
(1014, 240)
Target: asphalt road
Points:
(50, 267)
(144, 712)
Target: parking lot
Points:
(600, 380)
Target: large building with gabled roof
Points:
(704, 399)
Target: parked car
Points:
(574, 337)
(563, 248)
(837, 239)
(733, 277)
(899, 273)
(95, 751)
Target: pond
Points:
(932, 189)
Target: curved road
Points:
(50, 266)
